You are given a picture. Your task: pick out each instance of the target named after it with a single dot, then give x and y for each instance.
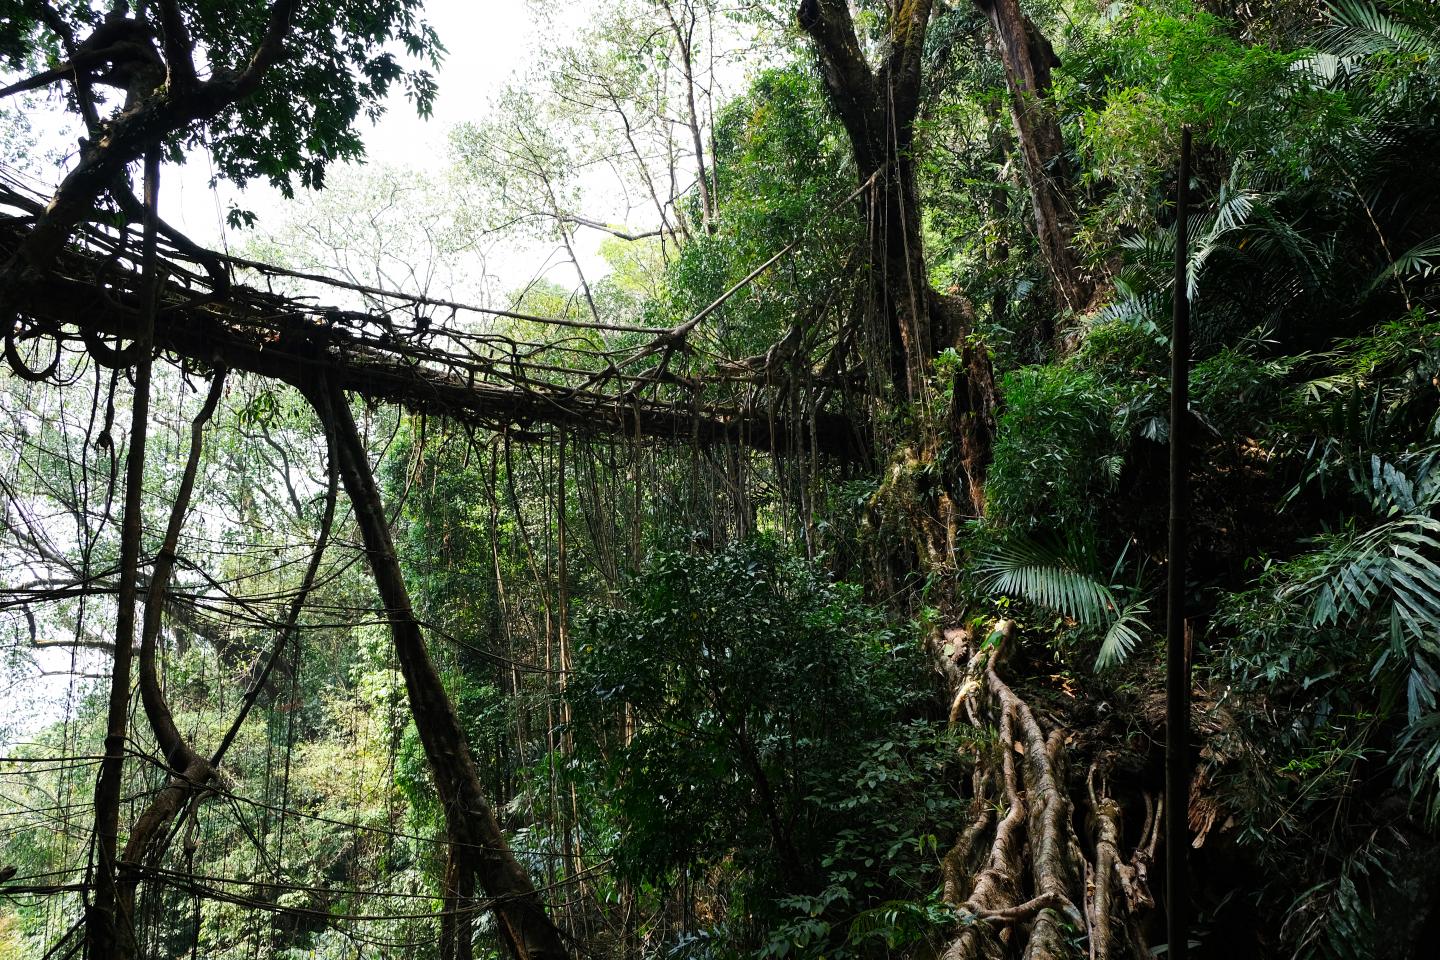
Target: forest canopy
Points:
(714, 500)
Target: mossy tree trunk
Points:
(908, 321)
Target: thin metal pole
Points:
(1177, 666)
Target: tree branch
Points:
(848, 77)
(179, 57)
(271, 48)
(596, 225)
(126, 139)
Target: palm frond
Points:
(1390, 571)
(1237, 210)
(1156, 247)
(1420, 767)
(1143, 310)
(1233, 207)
(1391, 489)
(1421, 260)
(1361, 29)
(1122, 635)
(1065, 580)
(1048, 577)
(1323, 68)
(1426, 476)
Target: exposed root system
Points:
(1020, 878)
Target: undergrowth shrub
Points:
(1056, 453)
(744, 713)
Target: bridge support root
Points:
(476, 841)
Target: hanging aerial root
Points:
(192, 772)
(108, 931)
(189, 770)
(1035, 893)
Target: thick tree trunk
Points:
(908, 321)
(475, 836)
(1028, 58)
(877, 107)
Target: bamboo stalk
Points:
(1177, 668)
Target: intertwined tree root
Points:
(1018, 875)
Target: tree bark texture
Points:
(1034, 889)
(877, 107)
(908, 320)
(1028, 59)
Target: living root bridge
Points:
(1018, 875)
(90, 296)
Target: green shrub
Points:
(739, 708)
(1056, 453)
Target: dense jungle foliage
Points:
(705, 687)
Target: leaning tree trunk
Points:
(1028, 59)
(476, 841)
